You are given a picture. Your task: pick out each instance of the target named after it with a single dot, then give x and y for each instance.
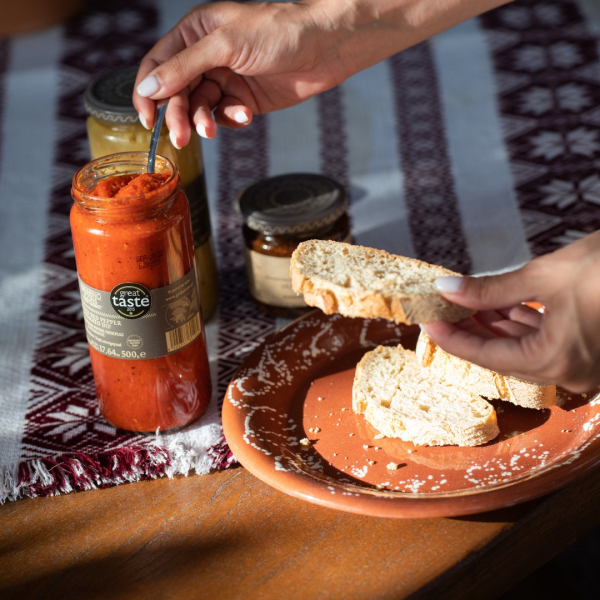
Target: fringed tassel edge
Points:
(222, 456)
(77, 471)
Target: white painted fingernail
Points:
(449, 284)
(143, 121)
(148, 86)
(201, 130)
(240, 117)
(173, 140)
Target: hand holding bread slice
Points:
(356, 281)
(429, 397)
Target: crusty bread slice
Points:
(400, 399)
(356, 281)
(461, 373)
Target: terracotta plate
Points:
(298, 384)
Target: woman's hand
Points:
(235, 60)
(560, 346)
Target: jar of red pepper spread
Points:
(139, 289)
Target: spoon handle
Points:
(154, 138)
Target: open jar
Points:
(278, 214)
(139, 290)
(113, 126)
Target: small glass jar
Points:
(278, 214)
(140, 298)
(113, 126)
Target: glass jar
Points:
(113, 126)
(139, 292)
(278, 214)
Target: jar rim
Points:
(116, 164)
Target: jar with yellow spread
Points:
(278, 214)
(113, 126)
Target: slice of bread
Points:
(363, 282)
(455, 371)
(400, 399)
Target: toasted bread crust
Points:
(394, 303)
(484, 382)
(389, 387)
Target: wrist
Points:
(368, 31)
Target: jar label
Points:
(135, 323)
(270, 281)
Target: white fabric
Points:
(26, 156)
(480, 168)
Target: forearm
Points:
(369, 31)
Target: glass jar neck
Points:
(129, 208)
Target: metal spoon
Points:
(154, 138)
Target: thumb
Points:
(493, 291)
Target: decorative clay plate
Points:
(298, 384)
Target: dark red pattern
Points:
(429, 189)
(3, 65)
(332, 136)
(243, 160)
(548, 77)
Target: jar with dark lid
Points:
(113, 126)
(278, 214)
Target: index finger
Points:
(165, 48)
(179, 70)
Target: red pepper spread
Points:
(127, 186)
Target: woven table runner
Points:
(476, 150)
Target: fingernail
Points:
(173, 140)
(148, 86)
(143, 120)
(449, 284)
(201, 130)
(240, 117)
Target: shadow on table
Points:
(124, 573)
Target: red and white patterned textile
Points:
(475, 150)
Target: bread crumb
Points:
(377, 448)
(317, 429)
(320, 398)
(344, 408)
(380, 486)
(379, 436)
(350, 434)
(371, 462)
(409, 451)
(392, 466)
(305, 442)
(365, 446)
(335, 453)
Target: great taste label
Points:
(135, 323)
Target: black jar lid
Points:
(108, 97)
(293, 203)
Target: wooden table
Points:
(228, 535)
